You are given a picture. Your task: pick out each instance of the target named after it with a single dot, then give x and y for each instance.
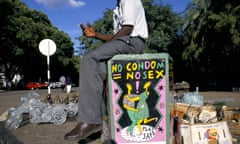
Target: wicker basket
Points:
(234, 127)
(231, 113)
(232, 116)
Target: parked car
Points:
(36, 85)
(55, 85)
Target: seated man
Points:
(130, 33)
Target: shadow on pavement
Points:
(6, 137)
(93, 137)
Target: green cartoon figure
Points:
(139, 114)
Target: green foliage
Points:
(163, 27)
(21, 31)
(162, 22)
(211, 40)
(103, 25)
(204, 41)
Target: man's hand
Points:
(89, 30)
(82, 26)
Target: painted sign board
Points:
(138, 98)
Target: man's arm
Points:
(125, 30)
(90, 32)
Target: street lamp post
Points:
(48, 47)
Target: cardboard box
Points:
(212, 133)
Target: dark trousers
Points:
(93, 71)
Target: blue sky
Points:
(67, 14)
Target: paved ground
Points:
(29, 133)
(53, 134)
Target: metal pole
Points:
(47, 47)
(49, 99)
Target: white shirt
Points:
(131, 12)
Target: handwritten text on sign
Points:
(151, 69)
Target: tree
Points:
(21, 31)
(162, 22)
(163, 26)
(103, 25)
(211, 38)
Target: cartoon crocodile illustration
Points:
(139, 114)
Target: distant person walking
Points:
(68, 84)
(62, 79)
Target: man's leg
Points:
(92, 74)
